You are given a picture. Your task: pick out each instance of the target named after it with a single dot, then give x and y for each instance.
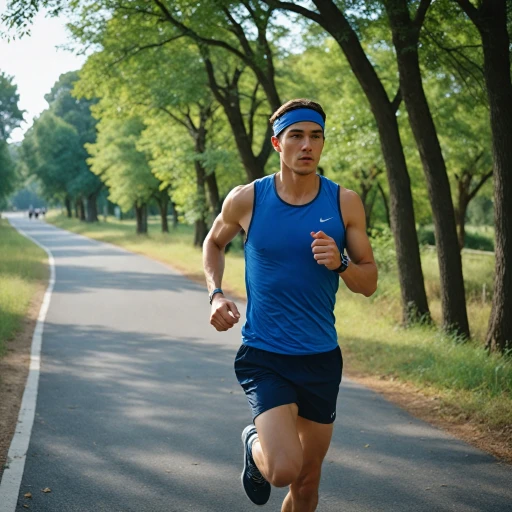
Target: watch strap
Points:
(344, 264)
(217, 290)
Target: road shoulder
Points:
(14, 368)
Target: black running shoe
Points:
(255, 486)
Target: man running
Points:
(298, 225)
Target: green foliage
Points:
(481, 211)
(120, 165)
(51, 151)
(8, 177)
(474, 240)
(10, 114)
(383, 246)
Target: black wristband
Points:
(344, 264)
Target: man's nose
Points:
(306, 143)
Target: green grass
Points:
(23, 266)
(462, 375)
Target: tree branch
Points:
(471, 11)
(397, 100)
(419, 18)
(289, 6)
(174, 117)
(187, 31)
(482, 181)
(142, 48)
(239, 32)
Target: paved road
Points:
(139, 410)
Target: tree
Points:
(135, 83)
(77, 113)
(7, 174)
(49, 150)
(10, 114)
(332, 19)
(490, 18)
(122, 167)
(406, 32)
(10, 118)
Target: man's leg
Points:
(278, 450)
(315, 439)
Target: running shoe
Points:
(253, 482)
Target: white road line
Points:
(11, 478)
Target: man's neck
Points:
(296, 188)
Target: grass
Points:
(22, 268)
(462, 375)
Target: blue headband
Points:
(296, 116)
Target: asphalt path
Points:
(139, 410)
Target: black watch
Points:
(344, 264)
(217, 290)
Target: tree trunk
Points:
(496, 45)
(174, 215)
(213, 193)
(81, 209)
(163, 205)
(141, 219)
(405, 40)
(92, 208)
(67, 202)
(412, 286)
(209, 178)
(201, 229)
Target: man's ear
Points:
(276, 143)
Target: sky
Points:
(36, 63)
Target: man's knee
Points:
(307, 483)
(284, 471)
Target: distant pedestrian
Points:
(298, 225)
(30, 212)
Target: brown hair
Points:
(294, 105)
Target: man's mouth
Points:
(305, 158)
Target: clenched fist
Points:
(325, 250)
(224, 313)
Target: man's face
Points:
(300, 145)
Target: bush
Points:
(383, 248)
(473, 239)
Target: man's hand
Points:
(325, 250)
(224, 313)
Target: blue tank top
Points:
(290, 297)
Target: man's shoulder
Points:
(238, 202)
(241, 194)
(347, 195)
(351, 205)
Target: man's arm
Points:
(236, 207)
(361, 273)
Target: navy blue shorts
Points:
(311, 381)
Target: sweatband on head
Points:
(296, 116)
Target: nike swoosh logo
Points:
(325, 220)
